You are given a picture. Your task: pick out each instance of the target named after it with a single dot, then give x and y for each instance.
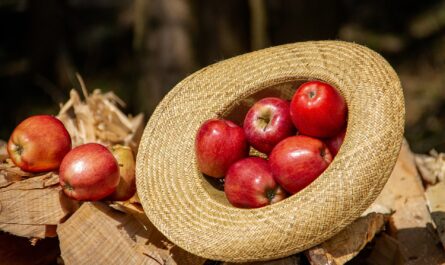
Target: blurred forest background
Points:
(141, 48)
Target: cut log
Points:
(123, 240)
(347, 243)
(32, 207)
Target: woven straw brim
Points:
(197, 217)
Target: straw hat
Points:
(197, 217)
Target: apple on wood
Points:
(268, 122)
(39, 143)
(89, 172)
(127, 183)
(297, 161)
(249, 184)
(218, 144)
(318, 110)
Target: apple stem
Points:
(322, 152)
(68, 186)
(312, 94)
(264, 122)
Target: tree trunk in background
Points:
(301, 20)
(224, 29)
(259, 37)
(165, 48)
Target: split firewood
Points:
(32, 207)
(32, 204)
(435, 195)
(123, 239)
(347, 243)
(410, 224)
(431, 167)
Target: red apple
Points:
(267, 123)
(297, 161)
(218, 144)
(318, 110)
(89, 172)
(335, 142)
(249, 184)
(127, 183)
(39, 143)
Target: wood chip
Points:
(12, 171)
(431, 167)
(9, 177)
(123, 237)
(348, 243)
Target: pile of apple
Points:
(300, 138)
(88, 172)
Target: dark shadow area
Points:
(18, 250)
(414, 246)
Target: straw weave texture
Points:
(192, 214)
